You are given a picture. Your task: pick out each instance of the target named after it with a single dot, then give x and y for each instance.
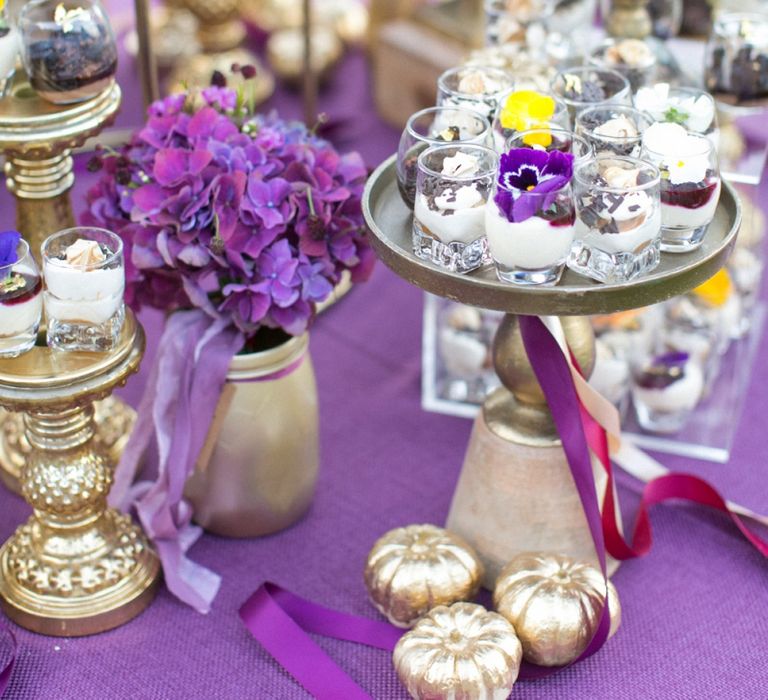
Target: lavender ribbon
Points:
(182, 392)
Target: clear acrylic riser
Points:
(708, 433)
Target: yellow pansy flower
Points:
(528, 109)
(716, 290)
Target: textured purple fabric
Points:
(694, 620)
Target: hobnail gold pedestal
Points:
(76, 567)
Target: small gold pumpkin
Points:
(554, 604)
(461, 652)
(412, 569)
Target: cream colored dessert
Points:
(78, 292)
(681, 395)
(463, 355)
(21, 314)
(533, 244)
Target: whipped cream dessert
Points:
(79, 289)
(452, 211)
(476, 87)
(669, 384)
(532, 244)
(21, 303)
(632, 58)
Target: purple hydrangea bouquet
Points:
(235, 225)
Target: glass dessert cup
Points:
(21, 298)
(690, 107)
(613, 129)
(508, 21)
(452, 187)
(84, 280)
(9, 49)
(532, 250)
(665, 390)
(523, 110)
(736, 62)
(611, 376)
(690, 186)
(584, 86)
(477, 87)
(431, 127)
(633, 58)
(618, 219)
(68, 49)
(552, 138)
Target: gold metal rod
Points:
(146, 55)
(310, 78)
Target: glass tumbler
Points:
(613, 129)
(552, 138)
(478, 87)
(633, 58)
(84, 284)
(618, 218)
(522, 110)
(584, 86)
(431, 127)
(21, 298)
(452, 186)
(690, 107)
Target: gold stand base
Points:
(81, 595)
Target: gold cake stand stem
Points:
(76, 567)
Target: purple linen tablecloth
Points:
(694, 620)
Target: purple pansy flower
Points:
(525, 174)
(9, 243)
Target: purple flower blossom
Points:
(251, 219)
(528, 181)
(9, 242)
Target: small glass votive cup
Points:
(690, 107)
(477, 87)
(690, 191)
(736, 60)
(453, 185)
(618, 218)
(505, 24)
(613, 129)
(21, 303)
(665, 390)
(633, 58)
(84, 295)
(532, 250)
(586, 86)
(431, 127)
(552, 137)
(522, 110)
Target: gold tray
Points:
(390, 221)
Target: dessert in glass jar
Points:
(530, 220)
(509, 21)
(584, 86)
(665, 389)
(618, 218)
(431, 127)
(68, 48)
(613, 129)
(690, 184)
(9, 49)
(522, 110)
(633, 58)
(689, 107)
(550, 137)
(477, 87)
(21, 298)
(84, 284)
(452, 186)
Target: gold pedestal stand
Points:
(37, 139)
(76, 567)
(220, 34)
(516, 492)
(629, 19)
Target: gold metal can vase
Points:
(257, 471)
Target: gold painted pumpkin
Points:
(461, 652)
(412, 569)
(554, 604)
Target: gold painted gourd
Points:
(410, 570)
(461, 652)
(554, 604)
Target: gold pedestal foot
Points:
(114, 423)
(76, 567)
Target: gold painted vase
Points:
(257, 471)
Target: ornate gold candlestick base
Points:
(76, 567)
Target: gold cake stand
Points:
(37, 139)
(76, 567)
(516, 492)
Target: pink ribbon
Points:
(182, 392)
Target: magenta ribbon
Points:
(182, 393)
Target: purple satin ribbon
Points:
(280, 620)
